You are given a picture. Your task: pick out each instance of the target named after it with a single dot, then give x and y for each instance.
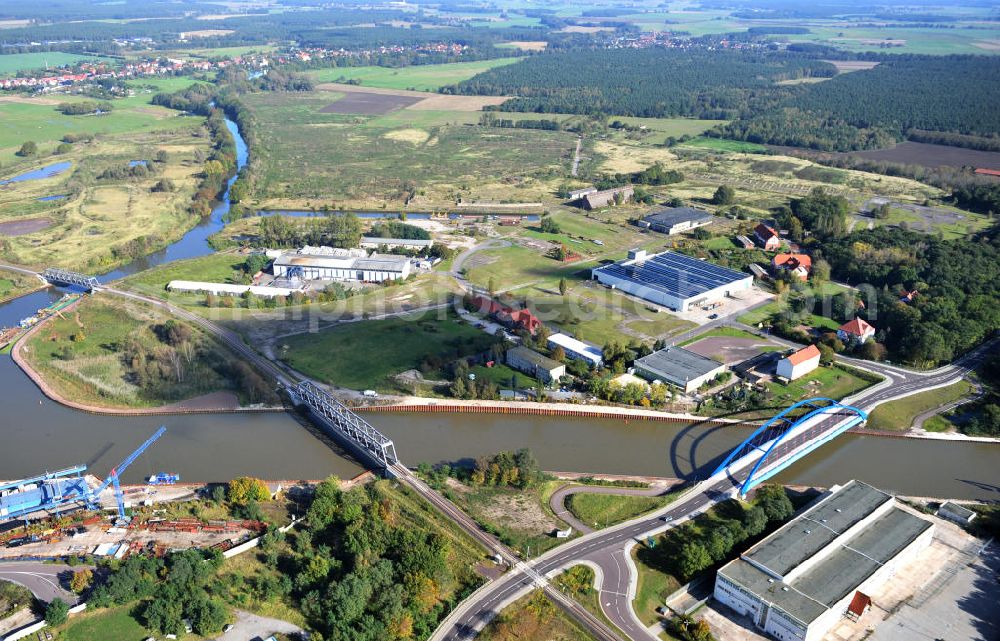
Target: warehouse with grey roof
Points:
(821, 566)
(678, 367)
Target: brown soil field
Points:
(928, 155)
(420, 100)
(22, 227)
(368, 104)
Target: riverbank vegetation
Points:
(118, 354)
(105, 208)
(14, 284)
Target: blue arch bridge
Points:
(786, 438)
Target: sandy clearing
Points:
(205, 33)
(530, 45)
(414, 136)
(988, 45)
(846, 66)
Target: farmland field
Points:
(11, 64)
(928, 155)
(366, 162)
(721, 144)
(417, 77)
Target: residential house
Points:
(767, 237)
(856, 331)
(514, 318)
(799, 363)
(798, 265)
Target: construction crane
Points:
(113, 476)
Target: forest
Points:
(702, 84)
(875, 108)
(958, 284)
(860, 110)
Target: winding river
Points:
(37, 434)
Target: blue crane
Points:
(113, 476)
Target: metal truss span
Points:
(347, 424)
(65, 277)
(774, 431)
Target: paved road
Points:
(41, 578)
(606, 549)
(557, 502)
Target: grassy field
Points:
(899, 415)
(370, 161)
(501, 375)
(11, 64)
(721, 144)
(415, 77)
(533, 618)
(731, 332)
(602, 510)
(214, 268)
(82, 355)
(13, 597)
(831, 382)
(113, 624)
(36, 119)
(356, 355)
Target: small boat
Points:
(163, 478)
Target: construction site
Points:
(65, 514)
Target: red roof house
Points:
(857, 330)
(767, 237)
(516, 318)
(798, 264)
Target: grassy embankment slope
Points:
(100, 222)
(899, 415)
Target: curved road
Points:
(607, 549)
(557, 502)
(43, 579)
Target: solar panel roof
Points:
(675, 274)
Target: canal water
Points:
(37, 434)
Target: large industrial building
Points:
(329, 263)
(678, 367)
(674, 220)
(823, 564)
(672, 280)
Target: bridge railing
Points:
(347, 424)
(67, 277)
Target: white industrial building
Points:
(329, 263)
(226, 289)
(415, 244)
(577, 349)
(824, 564)
(671, 279)
(799, 363)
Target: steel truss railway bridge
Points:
(57, 276)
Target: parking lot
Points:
(738, 304)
